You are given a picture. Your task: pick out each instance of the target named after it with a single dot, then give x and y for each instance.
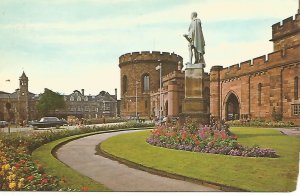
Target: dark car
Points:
(47, 122)
(3, 124)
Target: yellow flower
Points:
(13, 176)
(6, 167)
(21, 179)
(13, 168)
(20, 185)
(12, 185)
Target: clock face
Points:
(23, 93)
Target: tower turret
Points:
(23, 97)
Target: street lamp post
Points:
(136, 91)
(136, 113)
(159, 67)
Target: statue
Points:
(196, 40)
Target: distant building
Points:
(90, 106)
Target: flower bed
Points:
(18, 172)
(204, 139)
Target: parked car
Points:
(47, 122)
(3, 124)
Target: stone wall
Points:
(134, 66)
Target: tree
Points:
(49, 102)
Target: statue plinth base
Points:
(195, 109)
(194, 105)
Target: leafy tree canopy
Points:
(49, 102)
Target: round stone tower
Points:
(139, 77)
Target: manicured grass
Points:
(54, 167)
(253, 174)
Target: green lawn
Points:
(54, 167)
(253, 174)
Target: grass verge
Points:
(253, 174)
(52, 166)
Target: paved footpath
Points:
(80, 155)
(291, 131)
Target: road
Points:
(80, 155)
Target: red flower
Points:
(224, 135)
(44, 181)
(84, 188)
(30, 178)
(17, 165)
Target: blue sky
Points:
(72, 44)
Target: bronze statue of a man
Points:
(196, 40)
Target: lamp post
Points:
(136, 91)
(136, 83)
(159, 67)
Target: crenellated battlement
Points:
(149, 56)
(280, 57)
(286, 27)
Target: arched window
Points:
(78, 98)
(296, 87)
(124, 84)
(146, 82)
(259, 93)
(71, 98)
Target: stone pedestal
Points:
(194, 105)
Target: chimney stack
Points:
(82, 91)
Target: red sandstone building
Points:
(255, 89)
(265, 85)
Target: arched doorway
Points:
(232, 107)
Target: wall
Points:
(134, 66)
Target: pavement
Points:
(80, 155)
(293, 131)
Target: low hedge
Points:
(258, 123)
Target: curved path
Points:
(80, 155)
